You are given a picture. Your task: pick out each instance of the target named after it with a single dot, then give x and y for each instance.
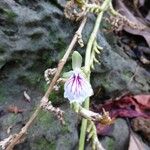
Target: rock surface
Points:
(33, 37)
(119, 138)
(119, 73)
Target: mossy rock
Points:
(43, 144)
(2, 94)
(9, 15)
(110, 144)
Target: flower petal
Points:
(77, 88)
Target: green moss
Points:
(105, 83)
(29, 80)
(105, 25)
(53, 97)
(2, 49)
(45, 58)
(9, 32)
(45, 119)
(43, 144)
(110, 144)
(61, 45)
(57, 97)
(68, 66)
(127, 73)
(2, 97)
(11, 119)
(2, 94)
(36, 36)
(33, 80)
(65, 128)
(8, 14)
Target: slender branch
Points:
(61, 64)
(92, 38)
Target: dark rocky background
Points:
(33, 37)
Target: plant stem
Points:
(18, 137)
(83, 128)
(92, 38)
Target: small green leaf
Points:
(76, 60)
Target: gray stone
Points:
(119, 138)
(115, 74)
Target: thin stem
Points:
(87, 67)
(61, 64)
(83, 128)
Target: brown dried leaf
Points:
(129, 106)
(14, 109)
(142, 125)
(145, 32)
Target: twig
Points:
(46, 96)
(103, 118)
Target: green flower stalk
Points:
(90, 44)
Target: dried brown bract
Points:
(119, 22)
(49, 73)
(47, 105)
(73, 11)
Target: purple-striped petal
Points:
(77, 88)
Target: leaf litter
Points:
(123, 7)
(127, 106)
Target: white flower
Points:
(77, 88)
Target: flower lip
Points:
(77, 88)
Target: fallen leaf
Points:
(144, 33)
(135, 143)
(142, 125)
(143, 101)
(127, 106)
(125, 11)
(14, 109)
